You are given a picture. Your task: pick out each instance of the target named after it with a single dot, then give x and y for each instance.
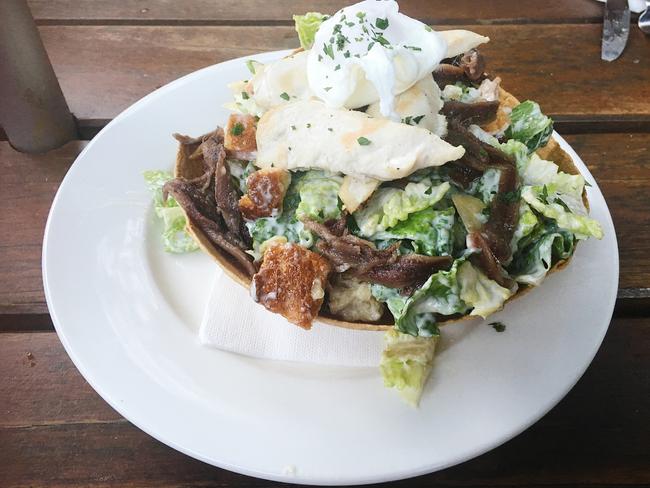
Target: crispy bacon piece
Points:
(291, 282)
(266, 190)
(240, 142)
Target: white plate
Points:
(127, 314)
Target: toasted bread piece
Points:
(291, 282)
(266, 190)
(240, 136)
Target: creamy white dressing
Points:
(368, 52)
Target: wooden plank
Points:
(57, 432)
(557, 65)
(27, 186)
(263, 11)
(620, 163)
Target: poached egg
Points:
(370, 52)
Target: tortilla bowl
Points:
(188, 166)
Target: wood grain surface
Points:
(114, 66)
(56, 431)
(280, 11)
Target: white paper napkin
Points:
(232, 321)
(635, 5)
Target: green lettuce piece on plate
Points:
(389, 206)
(306, 26)
(529, 125)
(430, 230)
(547, 202)
(175, 237)
(484, 295)
(406, 363)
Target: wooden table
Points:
(56, 431)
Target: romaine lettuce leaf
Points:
(525, 225)
(484, 295)
(306, 26)
(529, 125)
(389, 206)
(415, 315)
(175, 237)
(545, 200)
(429, 229)
(539, 251)
(406, 363)
(319, 196)
(488, 185)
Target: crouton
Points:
(265, 193)
(240, 136)
(291, 282)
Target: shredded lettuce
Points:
(539, 251)
(545, 200)
(175, 237)
(319, 196)
(529, 125)
(388, 206)
(484, 295)
(306, 26)
(406, 363)
(431, 231)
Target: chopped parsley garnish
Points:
(382, 40)
(413, 48)
(337, 28)
(340, 42)
(361, 15)
(363, 141)
(308, 125)
(381, 23)
(498, 326)
(411, 120)
(327, 88)
(237, 129)
(510, 196)
(329, 50)
(587, 183)
(284, 96)
(330, 129)
(337, 67)
(369, 47)
(293, 127)
(428, 29)
(289, 148)
(244, 95)
(350, 24)
(346, 54)
(320, 57)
